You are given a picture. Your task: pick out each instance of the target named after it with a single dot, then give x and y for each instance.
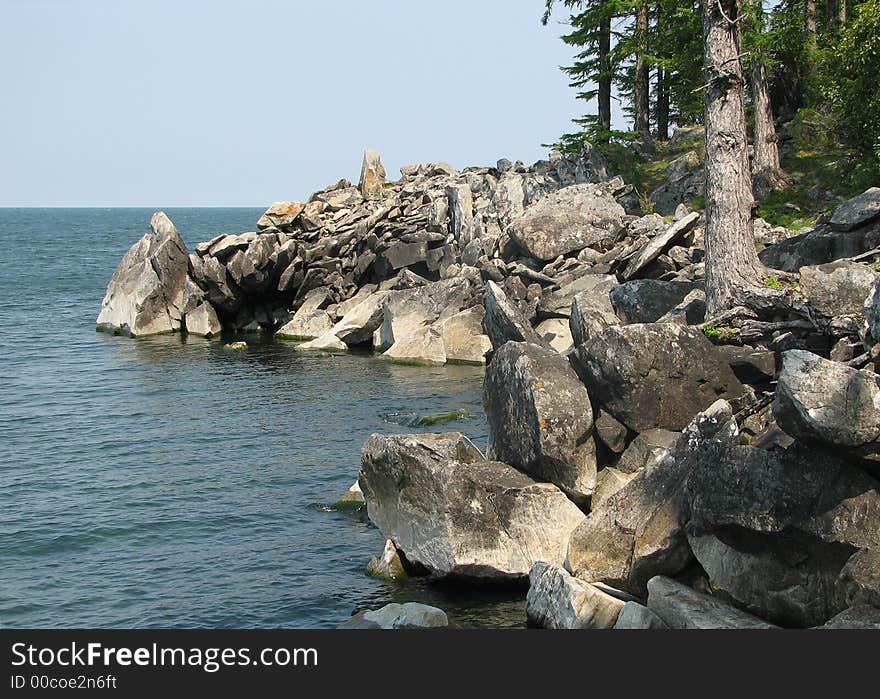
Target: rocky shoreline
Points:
(645, 468)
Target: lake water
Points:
(167, 483)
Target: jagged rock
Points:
(458, 515)
(654, 374)
(648, 300)
(680, 607)
(610, 432)
(423, 345)
(357, 326)
(858, 211)
(145, 294)
(502, 322)
(818, 246)
(646, 449)
(461, 213)
(568, 220)
(635, 616)
(410, 615)
(202, 320)
(750, 365)
(556, 333)
(608, 481)
(659, 244)
(556, 600)
(306, 326)
(361, 295)
(817, 399)
(860, 578)
(400, 255)
(372, 181)
(353, 498)
(387, 565)
(592, 311)
(410, 311)
(327, 342)
(638, 532)
(463, 338)
(557, 304)
(281, 214)
(861, 616)
(837, 288)
(540, 418)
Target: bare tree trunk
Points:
(733, 271)
(766, 170)
(810, 9)
(662, 106)
(640, 93)
(604, 81)
(841, 13)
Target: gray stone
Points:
(410, 615)
(635, 616)
(648, 300)
(372, 180)
(556, 600)
(458, 515)
(592, 311)
(654, 374)
(568, 220)
(328, 342)
(860, 578)
(460, 204)
(145, 294)
(502, 322)
(680, 607)
(817, 399)
(281, 214)
(608, 481)
(861, 616)
(203, 321)
(610, 432)
(388, 565)
(838, 288)
(556, 333)
(658, 245)
(540, 418)
(646, 449)
(408, 312)
(858, 211)
(421, 346)
(357, 326)
(463, 338)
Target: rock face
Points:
(457, 515)
(540, 419)
(463, 338)
(571, 219)
(680, 607)
(639, 531)
(410, 615)
(556, 600)
(145, 295)
(372, 180)
(654, 374)
(858, 211)
(817, 399)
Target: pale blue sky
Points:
(231, 102)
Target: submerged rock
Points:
(145, 295)
(388, 564)
(457, 515)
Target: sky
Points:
(246, 102)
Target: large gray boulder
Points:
(658, 245)
(858, 211)
(860, 616)
(638, 532)
(409, 615)
(145, 294)
(357, 326)
(568, 220)
(281, 214)
(502, 322)
(556, 600)
(540, 418)
(680, 607)
(463, 338)
(635, 616)
(860, 578)
(592, 310)
(460, 516)
(648, 300)
(820, 400)
(654, 374)
(837, 288)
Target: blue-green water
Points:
(163, 483)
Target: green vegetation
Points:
(773, 283)
(720, 333)
(428, 420)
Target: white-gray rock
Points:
(680, 607)
(556, 600)
(410, 615)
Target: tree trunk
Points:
(640, 92)
(662, 106)
(767, 173)
(841, 13)
(604, 81)
(733, 271)
(810, 9)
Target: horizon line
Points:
(134, 206)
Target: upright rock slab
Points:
(372, 181)
(502, 322)
(145, 294)
(540, 418)
(556, 600)
(460, 516)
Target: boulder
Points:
(820, 400)
(556, 333)
(608, 481)
(357, 326)
(410, 615)
(463, 338)
(372, 181)
(568, 220)
(638, 532)
(423, 346)
(858, 211)
(388, 565)
(557, 304)
(654, 374)
(860, 578)
(680, 607)
(659, 244)
(837, 288)
(410, 311)
(203, 320)
(592, 311)
(635, 616)
(645, 449)
(460, 203)
(610, 432)
(556, 600)
(281, 214)
(457, 515)
(145, 294)
(648, 300)
(540, 418)
(503, 322)
(306, 326)
(328, 342)
(871, 308)
(861, 616)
